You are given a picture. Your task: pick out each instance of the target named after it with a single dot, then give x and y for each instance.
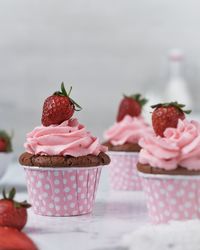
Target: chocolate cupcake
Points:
(122, 141)
(63, 161)
(67, 161)
(169, 165)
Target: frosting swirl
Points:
(130, 129)
(68, 138)
(179, 146)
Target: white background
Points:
(103, 48)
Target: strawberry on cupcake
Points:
(62, 161)
(59, 107)
(169, 164)
(166, 115)
(122, 141)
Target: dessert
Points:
(169, 165)
(62, 161)
(5, 151)
(122, 141)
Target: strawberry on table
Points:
(12, 239)
(5, 142)
(59, 107)
(131, 105)
(166, 115)
(13, 213)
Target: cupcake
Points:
(5, 151)
(122, 141)
(63, 161)
(169, 165)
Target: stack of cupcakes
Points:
(62, 161)
(169, 164)
(122, 141)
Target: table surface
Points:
(115, 214)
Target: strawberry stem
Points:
(63, 92)
(77, 106)
(4, 194)
(11, 196)
(24, 204)
(138, 98)
(70, 90)
(174, 104)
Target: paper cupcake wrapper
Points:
(62, 191)
(171, 197)
(123, 171)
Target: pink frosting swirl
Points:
(179, 146)
(130, 129)
(68, 138)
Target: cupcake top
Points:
(129, 127)
(178, 147)
(174, 146)
(128, 130)
(68, 138)
(61, 141)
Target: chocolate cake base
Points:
(126, 147)
(147, 169)
(27, 159)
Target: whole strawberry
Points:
(13, 239)
(13, 213)
(5, 142)
(130, 105)
(59, 107)
(166, 115)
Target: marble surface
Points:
(115, 214)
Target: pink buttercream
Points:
(179, 146)
(130, 129)
(68, 138)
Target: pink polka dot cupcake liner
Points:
(123, 172)
(171, 197)
(62, 191)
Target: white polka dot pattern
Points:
(172, 199)
(63, 192)
(123, 171)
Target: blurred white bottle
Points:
(177, 89)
